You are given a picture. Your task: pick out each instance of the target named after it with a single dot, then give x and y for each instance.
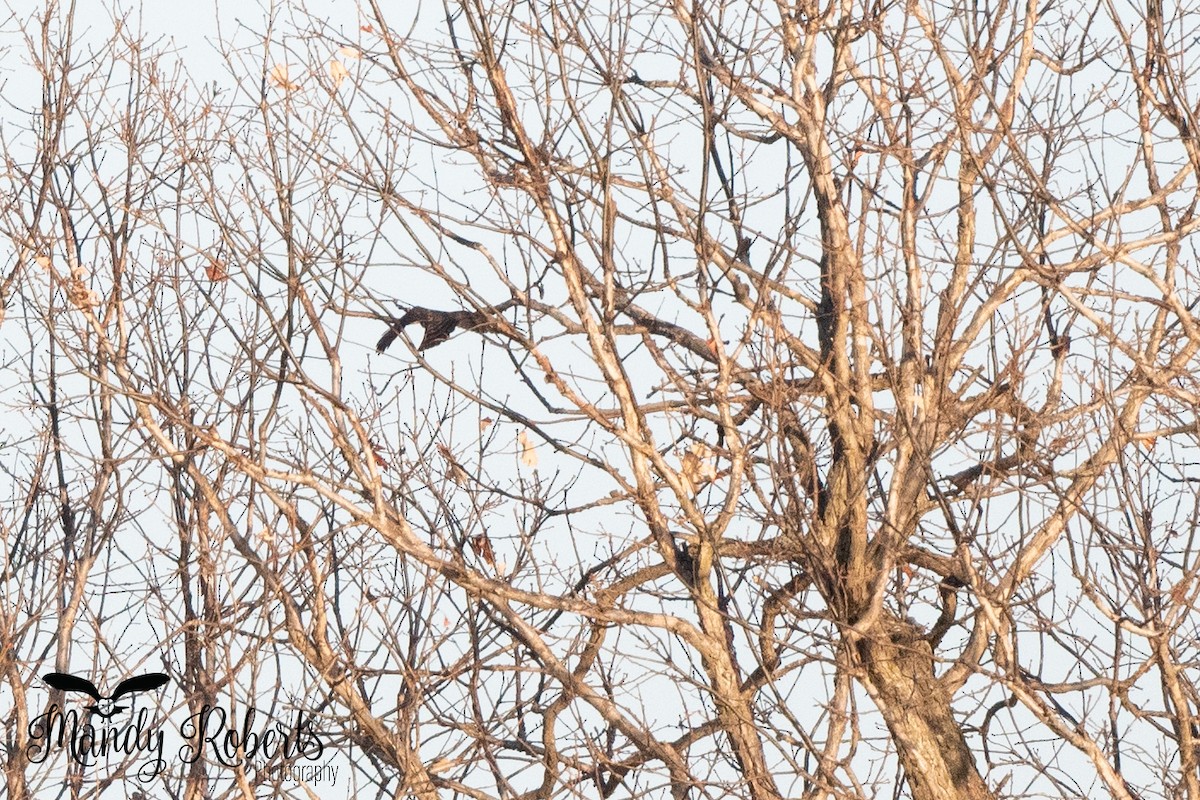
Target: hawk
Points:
(439, 325)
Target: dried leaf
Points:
(529, 456)
(1180, 592)
(80, 296)
(380, 461)
(349, 52)
(455, 472)
(216, 271)
(459, 475)
(279, 76)
(698, 468)
(485, 423)
(337, 72)
(482, 546)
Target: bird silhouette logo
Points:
(106, 707)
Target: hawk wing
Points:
(438, 326)
(386, 340)
(396, 326)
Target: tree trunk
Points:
(897, 666)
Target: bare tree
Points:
(803, 404)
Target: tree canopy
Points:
(804, 401)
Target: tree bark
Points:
(897, 670)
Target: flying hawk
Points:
(439, 325)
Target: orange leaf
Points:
(216, 271)
(380, 461)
